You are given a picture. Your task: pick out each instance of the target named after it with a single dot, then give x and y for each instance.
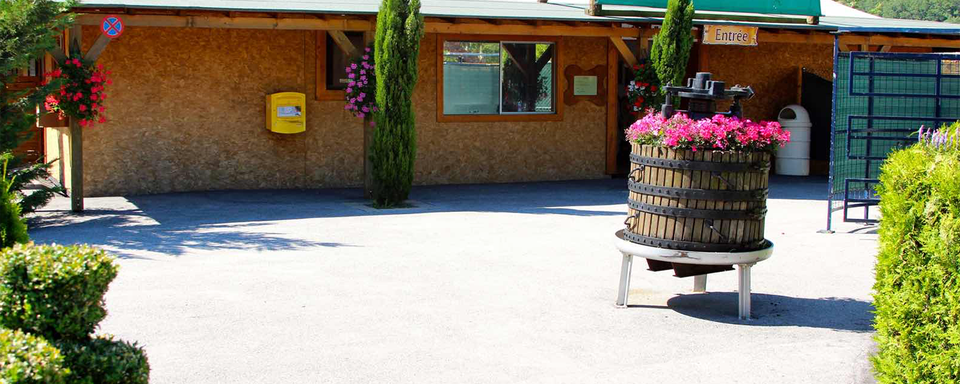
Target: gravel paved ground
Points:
(479, 284)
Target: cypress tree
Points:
(671, 47)
(396, 52)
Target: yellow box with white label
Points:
(286, 112)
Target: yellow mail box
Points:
(286, 112)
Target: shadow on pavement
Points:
(778, 311)
(170, 223)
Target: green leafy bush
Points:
(917, 290)
(104, 360)
(54, 291)
(28, 359)
(12, 228)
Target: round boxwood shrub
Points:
(29, 359)
(54, 291)
(103, 360)
(917, 290)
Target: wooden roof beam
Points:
(236, 22)
(625, 52)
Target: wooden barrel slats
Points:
(708, 201)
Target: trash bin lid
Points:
(794, 114)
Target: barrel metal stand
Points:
(743, 260)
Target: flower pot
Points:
(710, 201)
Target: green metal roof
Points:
(768, 7)
(560, 10)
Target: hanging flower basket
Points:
(643, 92)
(81, 93)
(700, 185)
(361, 90)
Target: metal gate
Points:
(880, 100)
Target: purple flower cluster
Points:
(362, 87)
(940, 138)
(717, 133)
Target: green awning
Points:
(767, 7)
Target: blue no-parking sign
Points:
(112, 26)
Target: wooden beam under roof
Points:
(241, 20)
(235, 22)
(625, 52)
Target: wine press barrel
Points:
(709, 201)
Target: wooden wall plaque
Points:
(585, 85)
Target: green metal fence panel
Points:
(880, 101)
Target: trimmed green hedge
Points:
(54, 291)
(103, 360)
(917, 290)
(28, 359)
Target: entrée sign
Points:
(730, 35)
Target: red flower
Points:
(102, 120)
(636, 67)
(83, 107)
(83, 123)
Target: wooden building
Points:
(186, 109)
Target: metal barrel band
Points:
(709, 214)
(690, 245)
(690, 165)
(697, 194)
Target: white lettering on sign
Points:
(730, 35)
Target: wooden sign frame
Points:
(572, 71)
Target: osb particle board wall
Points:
(472, 152)
(186, 114)
(771, 69)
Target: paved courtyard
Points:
(478, 284)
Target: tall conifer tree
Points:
(396, 50)
(671, 47)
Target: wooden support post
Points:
(76, 166)
(76, 140)
(613, 108)
(98, 46)
(703, 60)
(344, 43)
(799, 84)
(593, 9)
(628, 56)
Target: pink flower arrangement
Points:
(362, 86)
(717, 133)
(81, 93)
